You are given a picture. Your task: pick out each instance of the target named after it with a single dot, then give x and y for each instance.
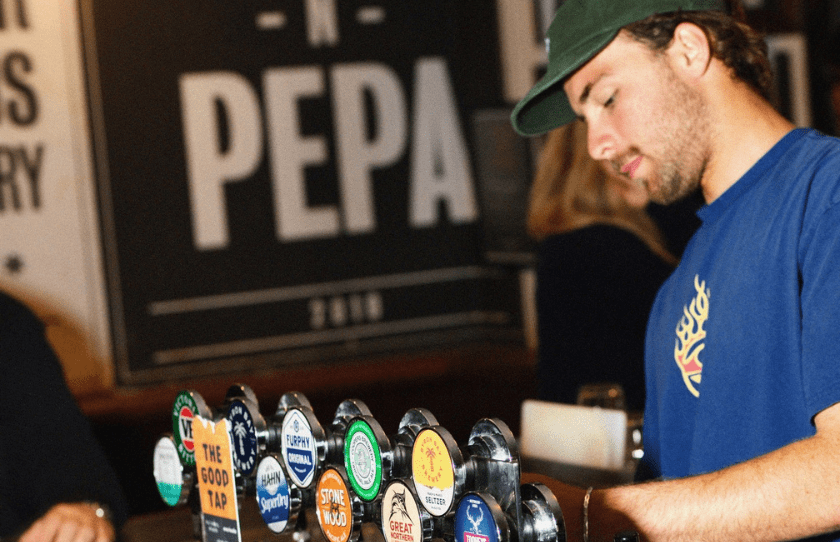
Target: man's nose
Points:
(600, 141)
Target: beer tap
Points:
(498, 507)
(401, 516)
(174, 456)
(412, 422)
(340, 511)
(250, 435)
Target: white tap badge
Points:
(400, 516)
(299, 448)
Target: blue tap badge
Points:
(243, 437)
(298, 447)
(474, 522)
(273, 494)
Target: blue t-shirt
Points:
(743, 342)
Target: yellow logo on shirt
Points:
(690, 336)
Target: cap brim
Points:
(546, 106)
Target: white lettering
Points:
(211, 162)
(299, 459)
(278, 501)
(440, 168)
(224, 144)
(522, 50)
(290, 154)
(322, 23)
(358, 156)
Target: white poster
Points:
(49, 241)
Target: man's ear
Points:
(690, 49)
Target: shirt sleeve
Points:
(820, 284)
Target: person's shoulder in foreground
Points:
(55, 481)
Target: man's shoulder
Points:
(810, 165)
(816, 148)
(818, 161)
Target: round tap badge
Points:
(183, 410)
(168, 471)
(333, 508)
(400, 516)
(298, 448)
(474, 522)
(273, 494)
(243, 437)
(434, 477)
(363, 460)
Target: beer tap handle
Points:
(541, 515)
(495, 456)
(240, 391)
(413, 421)
(289, 400)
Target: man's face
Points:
(642, 118)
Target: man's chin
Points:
(666, 195)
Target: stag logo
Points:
(690, 337)
(475, 521)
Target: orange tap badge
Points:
(333, 508)
(216, 482)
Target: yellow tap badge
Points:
(434, 477)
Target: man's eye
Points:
(610, 101)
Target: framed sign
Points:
(289, 181)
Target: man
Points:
(742, 422)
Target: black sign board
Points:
(290, 180)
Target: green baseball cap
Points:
(580, 29)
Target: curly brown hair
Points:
(740, 47)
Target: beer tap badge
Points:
(434, 476)
(333, 507)
(474, 522)
(363, 460)
(243, 437)
(273, 494)
(216, 481)
(183, 411)
(168, 471)
(298, 448)
(400, 515)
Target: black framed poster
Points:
(288, 181)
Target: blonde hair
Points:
(571, 191)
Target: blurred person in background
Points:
(601, 260)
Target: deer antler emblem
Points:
(475, 521)
(690, 334)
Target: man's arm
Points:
(787, 494)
